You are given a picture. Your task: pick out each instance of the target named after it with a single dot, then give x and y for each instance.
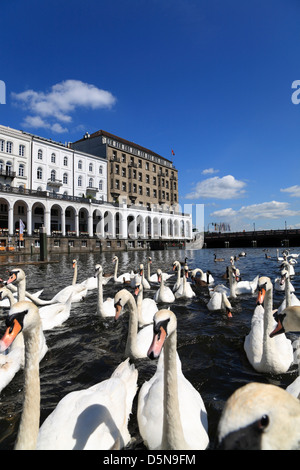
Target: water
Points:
(86, 349)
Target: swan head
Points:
(98, 270)
(149, 259)
(176, 265)
(23, 316)
(254, 417)
(164, 324)
(4, 292)
(264, 284)
(74, 263)
(186, 271)
(287, 320)
(115, 258)
(15, 275)
(141, 269)
(120, 300)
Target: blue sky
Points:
(210, 79)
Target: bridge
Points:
(261, 238)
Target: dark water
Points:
(87, 349)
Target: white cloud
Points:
(60, 102)
(209, 171)
(226, 187)
(294, 191)
(264, 210)
(36, 122)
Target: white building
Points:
(48, 184)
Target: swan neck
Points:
(173, 437)
(288, 292)
(100, 294)
(131, 343)
(30, 419)
(74, 275)
(21, 290)
(116, 269)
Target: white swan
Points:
(146, 307)
(125, 277)
(206, 277)
(185, 290)
(164, 293)
(171, 413)
(241, 287)
(56, 314)
(137, 343)
(177, 268)
(262, 352)
(219, 301)
(94, 418)
(17, 276)
(288, 320)
(78, 291)
(153, 277)
(104, 308)
(260, 417)
(290, 297)
(5, 303)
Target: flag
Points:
(21, 228)
(173, 153)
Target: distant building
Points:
(139, 174)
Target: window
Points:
(40, 154)
(124, 186)
(65, 178)
(79, 180)
(140, 163)
(8, 168)
(1, 165)
(79, 164)
(53, 158)
(21, 150)
(148, 192)
(39, 173)
(154, 168)
(100, 170)
(147, 165)
(154, 193)
(9, 147)
(124, 172)
(140, 177)
(21, 169)
(91, 182)
(53, 175)
(100, 185)
(90, 167)
(117, 170)
(154, 180)
(65, 161)
(140, 190)
(123, 158)
(147, 179)
(2, 144)
(117, 184)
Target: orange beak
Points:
(159, 278)
(260, 296)
(136, 290)
(11, 278)
(157, 344)
(9, 335)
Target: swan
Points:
(13, 359)
(107, 308)
(56, 314)
(87, 419)
(219, 301)
(177, 267)
(79, 291)
(164, 293)
(199, 274)
(137, 341)
(264, 354)
(91, 282)
(171, 413)
(153, 277)
(124, 277)
(242, 287)
(18, 276)
(5, 303)
(290, 297)
(185, 290)
(146, 307)
(140, 278)
(260, 417)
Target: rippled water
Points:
(86, 349)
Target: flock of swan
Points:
(171, 413)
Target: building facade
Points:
(65, 190)
(143, 176)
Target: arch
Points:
(83, 215)
(108, 224)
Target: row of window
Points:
(8, 147)
(39, 175)
(139, 163)
(65, 162)
(134, 188)
(139, 176)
